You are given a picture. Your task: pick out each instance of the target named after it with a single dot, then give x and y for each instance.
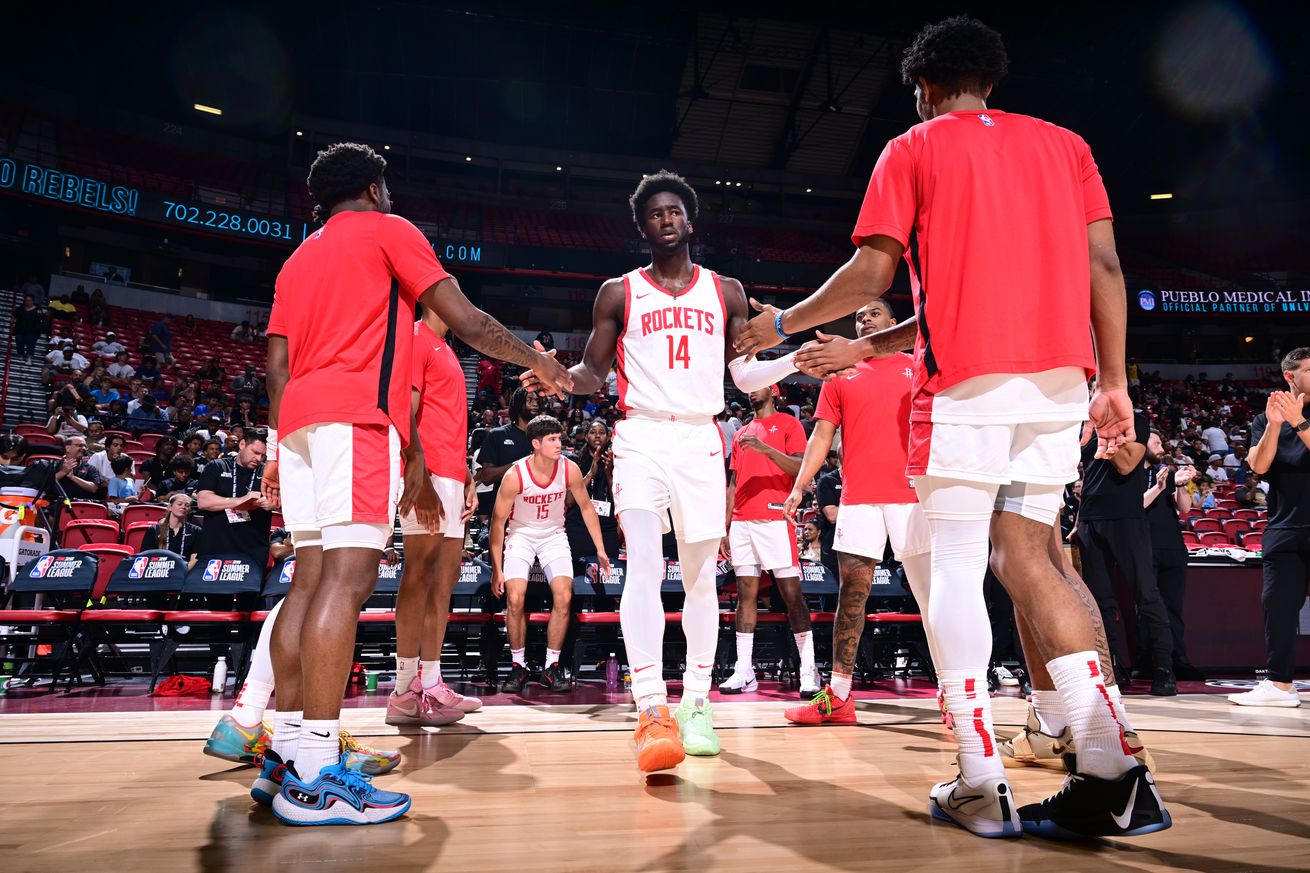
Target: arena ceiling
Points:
(1190, 98)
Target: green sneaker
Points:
(696, 727)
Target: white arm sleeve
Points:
(754, 375)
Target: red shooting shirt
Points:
(872, 408)
(345, 302)
(443, 408)
(759, 480)
(993, 211)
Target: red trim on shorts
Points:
(370, 473)
(620, 365)
(920, 448)
(795, 550)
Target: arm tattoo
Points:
(852, 600)
(493, 339)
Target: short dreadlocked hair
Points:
(959, 53)
(658, 183)
(342, 171)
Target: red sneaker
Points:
(824, 708)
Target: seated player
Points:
(531, 500)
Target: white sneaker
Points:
(1005, 677)
(740, 683)
(1266, 694)
(811, 683)
(987, 809)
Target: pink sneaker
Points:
(412, 706)
(405, 707)
(449, 698)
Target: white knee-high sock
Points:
(918, 572)
(641, 612)
(805, 648)
(1097, 734)
(1049, 706)
(959, 518)
(745, 652)
(700, 615)
(253, 697)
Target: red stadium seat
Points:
(1234, 526)
(1253, 541)
(139, 512)
(82, 533)
(1190, 538)
(1203, 525)
(134, 534)
(1248, 514)
(31, 430)
(149, 441)
(1213, 539)
(82, 510)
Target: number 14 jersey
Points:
(671, 349)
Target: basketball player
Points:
(339, 342)
(532, 500)
(670, 324)
(871, 405)
(765, 458)
(440, 401)
(996, 214)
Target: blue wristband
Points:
(777, 326)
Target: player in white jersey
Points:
(670, 324)
(532, 500)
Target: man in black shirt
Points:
(596, 462)
(1113, 533)
(237, 516)
(1280, 440)
(1165, 496)
(827, 496)
(502, 446)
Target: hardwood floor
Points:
(555, 788)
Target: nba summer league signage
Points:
(1224, 302)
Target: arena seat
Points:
(80, 533)
(1252, 541)
(82, 510)
(141, 512)
(55, 623)
(1215, 539)
(1206, 525)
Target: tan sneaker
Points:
(1031, 746)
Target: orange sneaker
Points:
(658, 744)
(824, 708)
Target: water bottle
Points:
(612, 673)
(220, 676)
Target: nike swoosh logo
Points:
(643, 296)
(324, 735)
(715, 452)
(1125, 818)
(703, 666)
(955, 801)
(639, 669)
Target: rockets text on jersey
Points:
(539, 506)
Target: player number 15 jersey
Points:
(670, 353)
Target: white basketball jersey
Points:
(670, 354)
(539, 506)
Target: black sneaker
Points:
(1163, 684)
(1088, 807)
(518, 677)
(555, 679)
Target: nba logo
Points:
(138, 568)
(42, 566)
(288, 572)
(211, 570)
(987, 120)
(1146, 300)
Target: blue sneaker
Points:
(336, 796)
(268, 784)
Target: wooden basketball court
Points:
(548, 788)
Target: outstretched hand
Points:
(759, 333)
(829, 356)
(547, 375)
